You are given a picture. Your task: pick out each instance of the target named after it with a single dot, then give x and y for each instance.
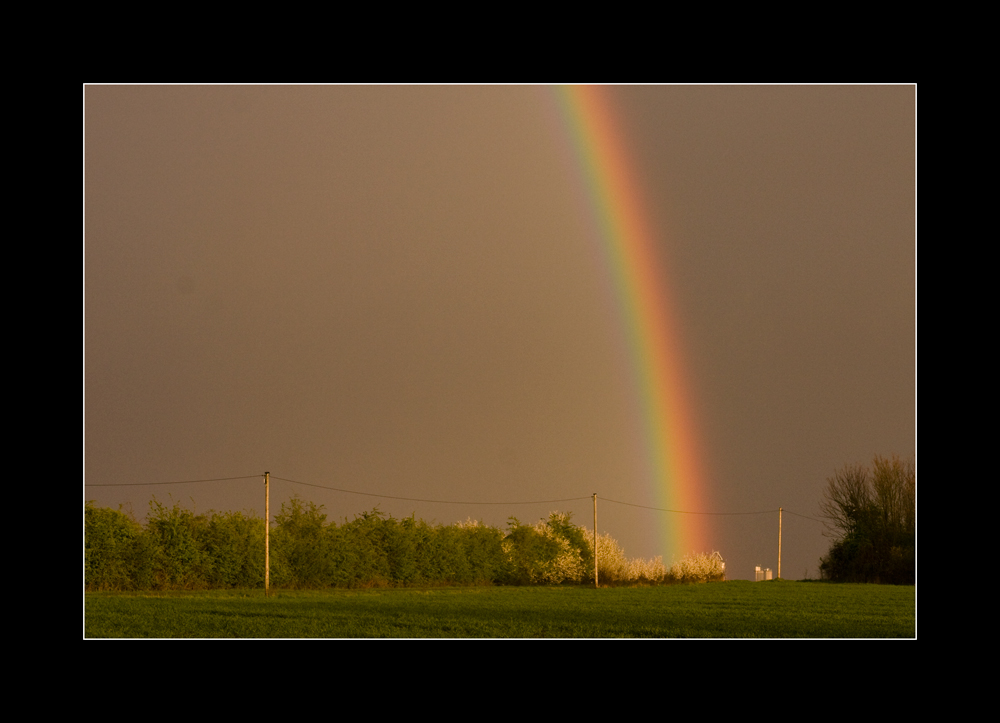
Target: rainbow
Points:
(635, 267)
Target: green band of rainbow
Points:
(647, 313)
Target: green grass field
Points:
(735, 609)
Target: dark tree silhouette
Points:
(872, 514)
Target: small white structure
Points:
(763, 573)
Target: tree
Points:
(872, 514)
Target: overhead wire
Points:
(442, 502)
(177, 482)
(416, 499)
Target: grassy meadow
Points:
(734, 609)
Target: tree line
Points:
(871, 513)
(179, 549)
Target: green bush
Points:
(234, 544)
(365, 539)
(176, 549)
(301, 555)
(179, 537)
(373, 550)
(481, 550)
(117, 553)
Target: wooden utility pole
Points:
(595, 541)
(267, 532)
(779, 543)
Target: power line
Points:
(685, 512)
(179, 482)
(814, 519)
(443, 502)
(416, 499)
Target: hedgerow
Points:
(180, 549)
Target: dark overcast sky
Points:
(392, 290)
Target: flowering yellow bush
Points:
(614, 568)
(555, 551)
(548, 559)
(699, 567)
